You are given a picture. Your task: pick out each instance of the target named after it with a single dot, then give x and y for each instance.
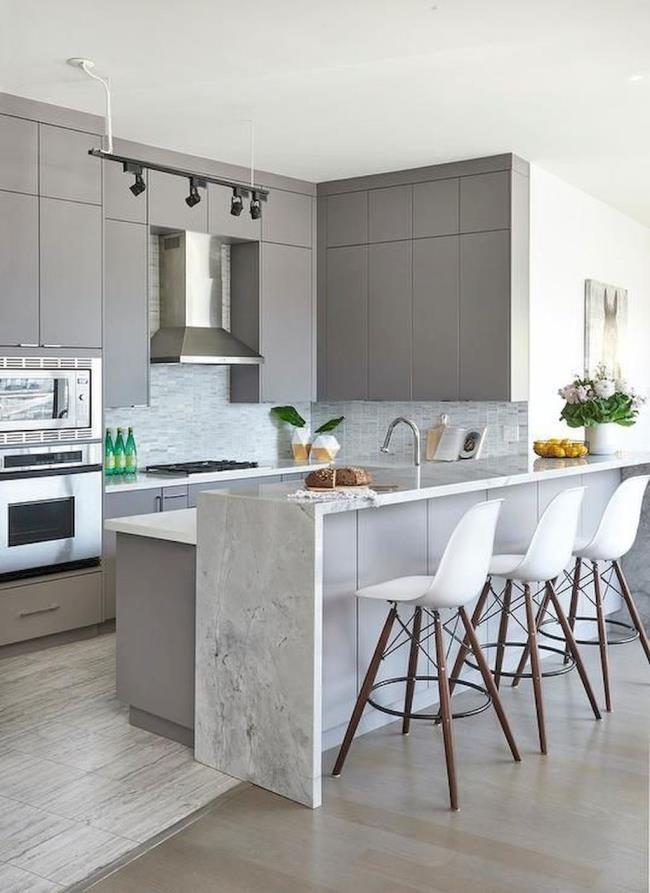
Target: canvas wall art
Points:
(605, 326)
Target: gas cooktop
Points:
(207, 465)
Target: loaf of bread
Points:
(346, 476)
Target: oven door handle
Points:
(48, 472)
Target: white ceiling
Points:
(346, 87)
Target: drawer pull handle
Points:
(47, 610)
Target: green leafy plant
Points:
(599, 399)
(290, 415)
(330, 425)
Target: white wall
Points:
(574, 237)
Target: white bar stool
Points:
(613, 538)
(460, 574)
(547, 556)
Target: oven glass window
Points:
(40, 522)
(25, 398)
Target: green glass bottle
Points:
(120, 454)
(130, 454)
(109, 453)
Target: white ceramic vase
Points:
(325, 448)
(603, 439)
(300, 444)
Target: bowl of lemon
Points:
(560, 449)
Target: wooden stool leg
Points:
(526, 650)
(412, 670)
(503, 632)
(535, 668)
(573, 648)
(631, 607)
(364, 694)
(602, 636)
(464, 648)
(573, 607)
(445, 711)
(489, 683)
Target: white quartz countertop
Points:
(177, 526)
(144, 481)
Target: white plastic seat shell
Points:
(551, 546)
(462, 569)
(618, 525)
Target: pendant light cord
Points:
(106, 84)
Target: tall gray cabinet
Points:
(423, 283)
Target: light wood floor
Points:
(575, 820)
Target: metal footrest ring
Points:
(618, 623)
(560, 671)
(431, 717)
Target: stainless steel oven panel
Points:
(78, 491)
(73, 386)
(34, 458)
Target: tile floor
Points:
(79, 786)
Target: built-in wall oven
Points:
(50, 509)
(47, 399)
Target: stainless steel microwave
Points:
(45, 399)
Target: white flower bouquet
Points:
(599, 399)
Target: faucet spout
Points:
(416, 437)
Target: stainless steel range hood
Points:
(191, 305)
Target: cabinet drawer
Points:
(50, 605)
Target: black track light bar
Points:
(137, 165)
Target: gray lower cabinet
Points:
(19, 302)
(390, 321)
(126, 324)
(42, 606)
(485, 316)
(345, 337)
(66, 169)
(435, 318)
(18, 154)
(167, 205)
(287, 218)
(174, 498)
(71, 274)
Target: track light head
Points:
(138, 186)
(193, 198)
(256, 207)
(236, 203)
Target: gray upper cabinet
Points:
(390, 213)
(436, 208)
(435, 318)
(18, 269)
(18, 154)
(222, 223)
(346, 324)
(390, 321)
(286, 323)
(66, 169)
(485, 202)
(485, 316)
(126, 330)
(71, 274)
(287, 218)
(119, 201)
(347, 219)
(167, 205)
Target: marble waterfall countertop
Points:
(177, 526)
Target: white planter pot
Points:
(603, 440)
(300, 444)
(325, 448)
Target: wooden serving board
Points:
(338, 487)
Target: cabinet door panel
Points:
(435, 318)
(126, 329)
(347, 219)
(71, 274)
(485, 316)
(18, 269)
(286, 323)
(485, 202)
(390, 320)
(346, 331)
(18, 154)
(435, 208)
(66, 169)
(390, 213)
(287, 218)
(119, 201)
(222, 223)
(167, 205)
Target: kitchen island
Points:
(281, 643)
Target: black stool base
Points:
(560, 671)
(431, 717)
(633, 633)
